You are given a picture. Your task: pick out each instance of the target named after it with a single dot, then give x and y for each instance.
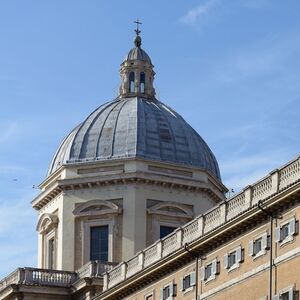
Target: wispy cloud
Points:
(14, 215)
(7, 131)
(194, 14)
(240, 171)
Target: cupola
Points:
(136, 72)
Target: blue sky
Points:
(230, 68)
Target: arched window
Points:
(142, 82)
(131, 82)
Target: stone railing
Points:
(275, 182)
(34, 276)
(152, 254)
(94, 269)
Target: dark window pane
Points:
(131, 82)
(142, 82)
(165, 230)
(99, 243)
(51, 254)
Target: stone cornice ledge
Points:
(124, 178)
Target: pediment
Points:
(96, 207)
(172, 209)
(46, 222)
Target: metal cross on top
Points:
(137, 31)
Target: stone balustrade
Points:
(94, 269)
(275, 182)
(47, 277)
(34, 276)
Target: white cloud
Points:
(193, 15)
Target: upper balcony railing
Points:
(275, 182)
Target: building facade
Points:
(133, 207)
(224, 253)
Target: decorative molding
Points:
(164, 181)
(96, 208)
(46, 222)
(158, 209)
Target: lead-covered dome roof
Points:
(138, 53)
(135, 128)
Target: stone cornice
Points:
(108, 162)
(125, 178)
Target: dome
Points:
(138, 53)
(135, 127)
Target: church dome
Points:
(135, 127)
(138, 54)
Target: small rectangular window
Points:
(233, 258)
(168, 292)
(285, 232)
(188, 281)
(258, 246)
(210, 271)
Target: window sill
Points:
(259, 254)
(287, 240)
(191, 288)
(233, 267)
(209, 279)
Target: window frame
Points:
(293, 229)
(51, 235)
(191, 276)
(291, 293)
(215, 270)
(265, 240)
(239, 254)
(86, 238)
(91, 229)
(172, 286)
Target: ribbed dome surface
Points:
(135, 127)
(138, 54)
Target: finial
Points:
(137, 40)
(137, 31)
